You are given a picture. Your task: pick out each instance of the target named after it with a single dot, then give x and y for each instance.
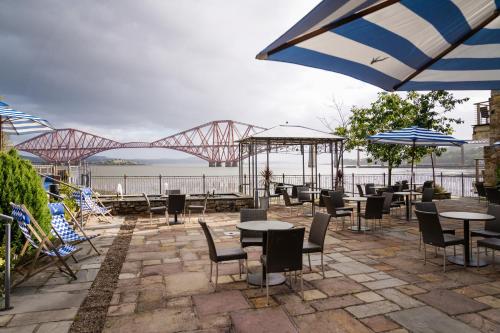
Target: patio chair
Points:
(303, 197)
(432, 234)
(154, 210)
(247, 237)
(373, 209)
(90, 204)
(284, 254)
(360, 190)
(176, 205)
(338, 201)
(404, 185)
(320, 202)
(480, 190)
(492, 195)
(65, 231)
(316, 240)
(386, 210)
(491, 228)
(488, 243)
(369, 189)
(168, 192)
(273, 195)
(289, 204)
(432, 208)
(198, 208)
(220, 255)
(333, 212)
(36, 237)
(427, 194)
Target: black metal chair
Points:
(221, 255)
(303, 197)
(428, 184)
(169, 192)
(316, 239)
(374, 209)
(154, 210)
(338, 201)
(491, 228)
(323, 192)
(198, 208)
(176, 205)
(283, 254)
(289, 203)
(481, 191)
(432, 208)
(432, 234)
(492, 195)
(360, 190)
(247, 237)
(404, 185)
(427, 194)
(333, 212)
(488, 243)
(386, 210)
(369, 189)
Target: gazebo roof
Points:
(291, 135)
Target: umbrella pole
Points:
(411, 176)
(1, 135)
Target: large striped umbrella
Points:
(415, 136)
(399, 45)
(16, 122)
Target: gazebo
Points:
(285, 138)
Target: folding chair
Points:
(90, 206)
(62, 228)
(44, 248)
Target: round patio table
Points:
(358, 200)
(407, 195)
(466, 217)
(263, 226)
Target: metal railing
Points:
(460, 185)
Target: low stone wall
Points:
(137, 205)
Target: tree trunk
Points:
(433, 168)
(389, 174)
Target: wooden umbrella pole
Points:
(1, 135)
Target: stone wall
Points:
(138, 205)
(492, 154)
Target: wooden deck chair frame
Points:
(102, 217)
(44, 243)
(77, 224)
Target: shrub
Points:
(20, 183)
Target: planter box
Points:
(441, 196)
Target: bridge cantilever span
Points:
(214, 142)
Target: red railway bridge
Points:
(215, 142)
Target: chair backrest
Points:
(426, 207)
(322, 193)
(278, 188)
(176, 203)
(428, 184)
(294, 191)
(253, 214)
(493, 225)
(404, 185)
(212, 250)
(427, 194)
(284, 250)
(429, 225)
(492, 195)
(374, 207)
(286, 198)
(301, 195)
(147, 201)
(23, 220)
(169, 192)
(360, 190)
(337, 198)
(330, 208)
(481, 191)
(319, 226)
(60, 227)
(387, 201)
(369, 189)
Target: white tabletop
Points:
(467, 216)
(407, 193)
(355, 198)
(264, 225)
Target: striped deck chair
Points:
(90, 206)
(36, 237)
(63, 229)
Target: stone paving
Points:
(375, 282)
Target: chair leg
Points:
(301, 285)
(425, 255)
(150, 218)
(267, 289)
(444, 259)
(246, 270)
(216, 274)
(454, 250)
(240, 264)
(477, 257)
(322, 265)
(493, 256)
(309, 258)
(189, 216)
(419, 241)
(211, 264)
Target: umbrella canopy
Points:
(16, 122)
(416, 136)
(399, 45)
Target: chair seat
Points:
(344, 208)
(160, 209)
(485, 233)
(448, 231)
(342, 213)
(231, 254)
(492, 243)
(310, 247)
(251, 241)
(452, 239)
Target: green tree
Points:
(392, 111)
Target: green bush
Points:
(20, 183)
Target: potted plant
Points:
(440, 193)
(267, 176)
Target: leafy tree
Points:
(392, 111)
(20, 183)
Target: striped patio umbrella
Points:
(399, 45)
(16, 122)
(415, 136)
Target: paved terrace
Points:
(376, 282)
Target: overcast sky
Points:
(136, 70)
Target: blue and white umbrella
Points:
(415, 136)
(16, 122)
(399, 45)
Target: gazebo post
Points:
(250, 189)
(303, 168)
(318, 181)
(240, 159)
(331, 164)
(342, 161)
(311, 156)
(256, 195)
